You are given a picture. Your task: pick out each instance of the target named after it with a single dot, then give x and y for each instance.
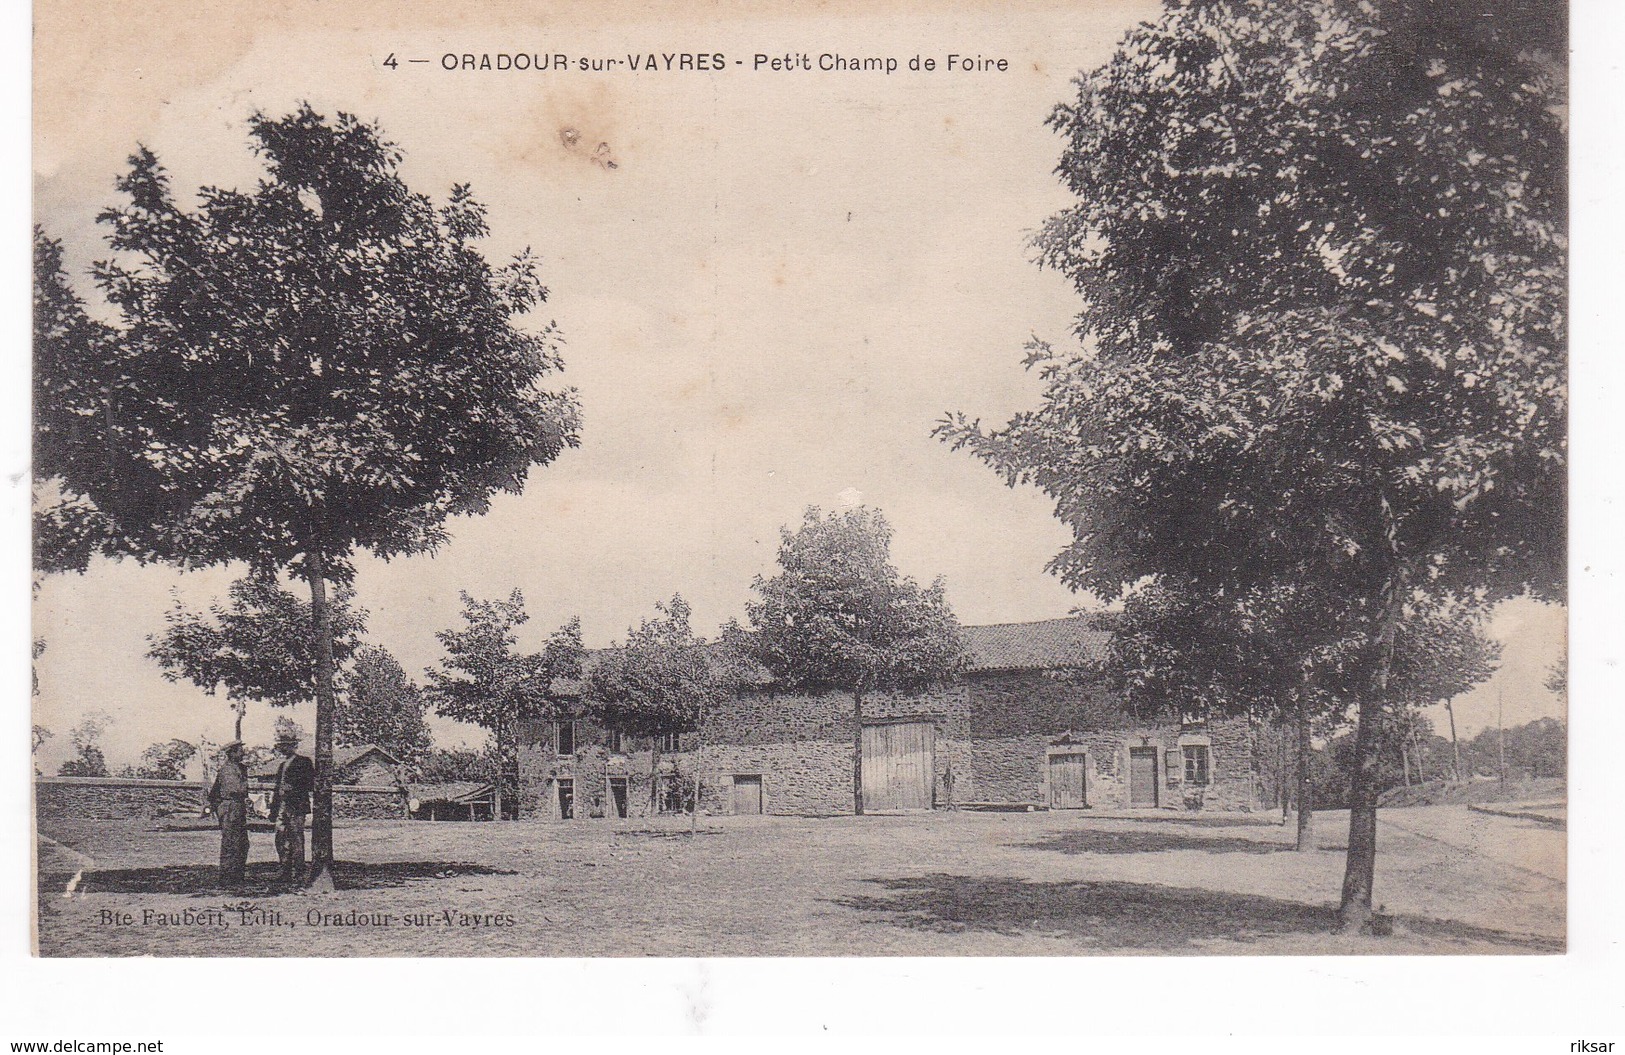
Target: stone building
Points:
(1026, 726)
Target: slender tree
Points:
(485, 680)
(257, 646)
(165, 761)
(1321, 252)
(1258, 652)
(381, 705)
(86, 737)
(839, 617)
(663, 679)
(321, 365)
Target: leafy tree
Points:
(1321, 253)
(257, 646)
(839, 617)
(661, 680)
(449, 765)
(486, 680)
(381, 705)
(166, 761)
(38, 736)
(1557, 678)
(1536, 749)
(1262, 651)
(322, 364)
(67, 528)
(88, 760)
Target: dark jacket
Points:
(294, 780)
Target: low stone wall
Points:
(114, 798)
(123, 798)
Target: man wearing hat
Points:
(228, 797)
(290, 803)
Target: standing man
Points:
(290, 803)
(228, 797)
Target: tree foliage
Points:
(1320, 249)
(86, 737)
(165, 761)
(258, 645)
(839, 616)
(381, 705)
(661, 680)
(67, 528)
(320, 364)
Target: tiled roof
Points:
(342, 757)
(454, 791)
(1044, 645)
(1048, 644)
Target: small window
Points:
(615, 741)
(1196, 764)
(671, 742)
(564, 736)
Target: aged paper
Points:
(780, 248)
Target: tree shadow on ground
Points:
(1189, 819)
(260, 880)
(1115, 916)
(1116, 841)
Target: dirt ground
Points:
(1060, 883)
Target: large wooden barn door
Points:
(1068, 786)
(1142, 776)
(899, 766)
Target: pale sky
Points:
(783, 283)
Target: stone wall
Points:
(352, 802)
(994, 736)
(114, 798)
(121, 798)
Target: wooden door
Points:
(1068, 782)
(1142, 776)
(899, 766)
(748, 795)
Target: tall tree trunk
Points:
(1416, 749)
(1306, 787)
(699, 771)
(501, 781)
(1360, 871)
(857, 752)
(321, 818)
(654, 776)
(1405, 761)
(1455, 745)
(1282, 784)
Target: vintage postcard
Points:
(917, 479)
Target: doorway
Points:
(618, 796)
(1068, 782)
(567, 800)
(899, 766)
(1142, 776)
(747, 795)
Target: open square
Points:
(1454, 881)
